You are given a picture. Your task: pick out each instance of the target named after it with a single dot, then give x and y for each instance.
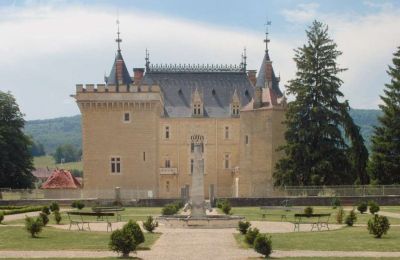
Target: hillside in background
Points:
(67, 130)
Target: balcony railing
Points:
(166, 171)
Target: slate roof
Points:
(216, 89)
(261, 76)
(112, 78)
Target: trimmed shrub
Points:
(373, 207)
(169, 209)
(221, 202)
(340, 216)
(122, 241)
(23, 210)
(243, 226)
(135, 231)
(335, 202)
(150, 224)
(34, 226)
(263, 245)
(46, 210)
(351, 218)
(1, 216)
(308, 211)
(226, 207)
(54, 206)
(78, 204)
(378, 226)
(362, 207)
(251, 235)
(57, 216)
(45, 219)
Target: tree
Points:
(323, 144)
(67, 153)
(384, 166)
(37, 149)
(15, 158)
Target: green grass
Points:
(48, 161)
(17, 238)
(346, 239)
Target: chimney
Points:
(251, 75)
(137, 75)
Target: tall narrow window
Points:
(226, 161)
(115, 165)
(144, 156)
(167, 186)
(167, 132)
(226, 132)
(246, 139)
(167, 163)
(192, 147)
(191, 166)
(127, 117)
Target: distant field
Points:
(48, 161)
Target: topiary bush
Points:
(150, 224)
(263, 245)
(34, 226)
(57, 216)
(169, 209)
(308, 211)
(78, 204)
(135, 231)
(335, 202)
(1, 216)
(54, 206)
(351, 218)
(122, 241)
(362, 207)
(373, 207)
(221, 202)
(251, 235)
(243, 226)
(378, 226)
(226, 207)
(340, 215)
(46, 210)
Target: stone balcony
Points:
(168, 171)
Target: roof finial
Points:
(266, 35)
(147, 59)
(244, 60)
(118, 40)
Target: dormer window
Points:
(235, 110)
(197, 104)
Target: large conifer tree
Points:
(385, 160)
(323, 145)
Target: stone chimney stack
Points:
(251, 75)
(137, 75)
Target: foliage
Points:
(135, 231)
(45, 219)
(384, 165)
(33, 226)
(378, 226)
(37, 149)
(362, 207)
(226, 207)
(78, 204)
(77, 173)
(122, 241)
(351, 218)
(46, 210)
(221, 202)
(335, 202)
(373, 207)
(172, 208)
(57, 216)
(323, 145)
(23, 210)
(67, 153)
(1, 216)
(243, 226)
(150, 224)
(340, 215)
(16, 160)
(308, 211)
(54, 206)
(251, 235)
(263, 245)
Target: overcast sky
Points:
(46, 47)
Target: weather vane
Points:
(118, 40)
(266, 35)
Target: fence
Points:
(342, 190)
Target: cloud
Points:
(302, 13)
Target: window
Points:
(167, 186)
(144, 156)
(226, 132)
(167, 132)
(191, 166)
(235, 109)
(246, 139)
(192, 148)
(127, 117)
(115, 165)
(167, 163)
(226, 161)
(197, 109)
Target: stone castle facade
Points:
(136, 130)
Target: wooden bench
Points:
(83, 218)
(317, 221)
(114, 210)
(284, 208)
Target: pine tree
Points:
(384, 166)
(323, 145)
(15, 158)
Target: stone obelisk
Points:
(197, 201)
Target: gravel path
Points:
(389, 214)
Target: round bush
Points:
(378, 226)
(54, 206)
(150, 224)
(362, 207)
(122, 241)
(78, 204)
(46, 210)
(263, 245)
(135, 231)
(373, 207)
(57, 216)
(33, 226)
(308, 211)
(226, 207)
(251, 235)
(168, 210)
(243, 226)
(45, 219)
(351, 218)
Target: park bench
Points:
(114, 210)
(317, 221)
(85, 218)
(286, 209)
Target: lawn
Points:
(17, 238)
(256, 214)
(48, 161)
(346, 239)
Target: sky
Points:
(47, 47)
